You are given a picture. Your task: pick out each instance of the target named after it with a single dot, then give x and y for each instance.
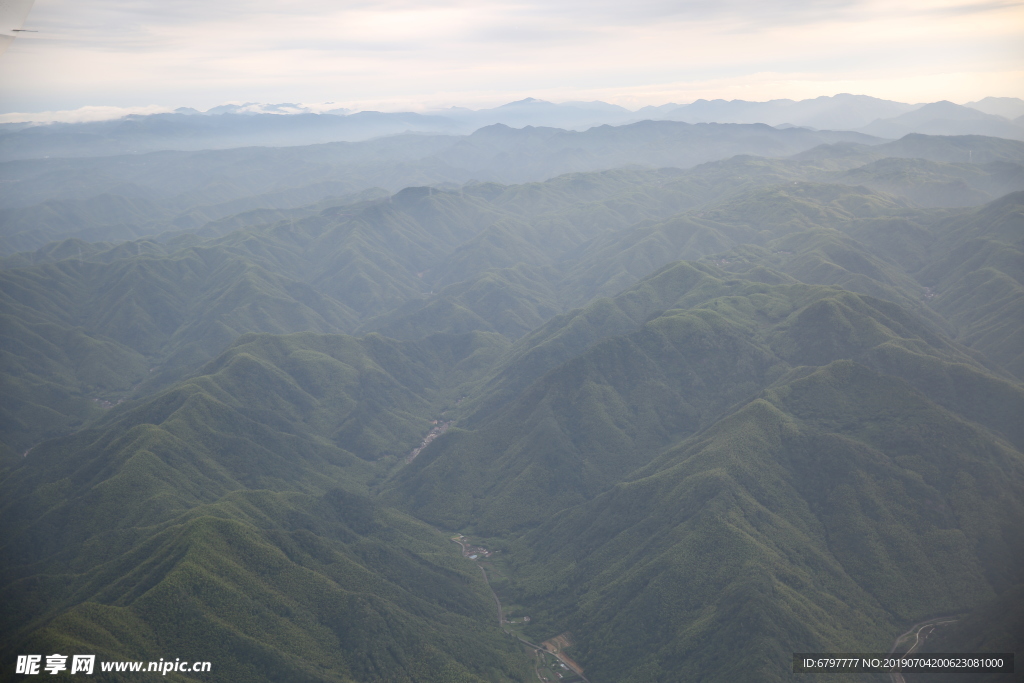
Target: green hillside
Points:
(699, 418)
(977, 284)
(78, 333)
(594, 418)
(788, 526)
(233, 509)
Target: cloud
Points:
(80, 115)
(200, 53)
(975, 7)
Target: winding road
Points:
(501, 614)
(916, 629)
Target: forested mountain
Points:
(126, 197)
(289, 124)
(704, 409)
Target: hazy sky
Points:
(435, 53)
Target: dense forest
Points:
(708, 394)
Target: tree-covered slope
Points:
(707, 416)
(487, 258)
(172, 305)
(233, 509)
(934, 184)
(758, 216)
(606, 410)
(77, 333)
(960, 270)
(977, 283)
(819, 517)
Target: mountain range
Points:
(288, 124)
(690, 396)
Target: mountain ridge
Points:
(691, 419)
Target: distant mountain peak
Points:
(1010, 107)
(947, 108)
(526, 101)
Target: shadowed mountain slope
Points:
(833, 509)
(78, 332)
(705, 417)
(486, 257)
(232, 509)
(605, 410)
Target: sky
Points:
(153, 55)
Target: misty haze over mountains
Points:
(292, 124)
(555, 392)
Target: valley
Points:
(685, 399)
(550, 653)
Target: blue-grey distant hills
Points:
(1010, 107)
(534, 112)
(133, 195)
(185, 131)
(493, 153)
(945, 118)
(289, 124)
(840, 112)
